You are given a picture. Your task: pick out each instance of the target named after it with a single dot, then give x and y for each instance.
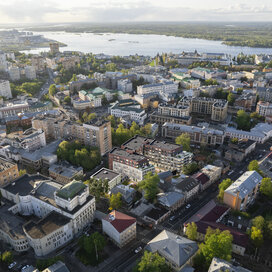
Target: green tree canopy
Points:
(52, 89)
(254, 166)
(152, 262)
(111, 67)
(98, 187)
(190, 168)
(150, 186)
(67, 99)
(231, 98)
(258, 222)
(217, 244)
(115, 201)
(184, 140)
(266, 187)
(7, 257)
(256, 236)
(191, 231)
(243, 120)
(222, 187)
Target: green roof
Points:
(71, 189)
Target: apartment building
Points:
(64, 172)
(163, 155)
(120, 227)
(8, 172)
(12, 109)
(30, 72)
(264, 108)
(5, 90)
(265, 94)
(39, 63)
(96, 132)
(54, 48)
(113, 178)
(204, 73)
(243, 191)
(14, 73)
(130, 165)
(198, 135)
(59, 213)
(124, 85)
(189, 187)
(218, 265)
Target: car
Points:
(138, 249)
(25, 267)
(188, 206)
(172, 218)
(241, 172)
(12, 265)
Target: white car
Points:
(25, 267)
(138, 249)
(188, 206)
(12, 265)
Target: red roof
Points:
(120, 221)
(239, 238)
(201, 177)
(215, 213)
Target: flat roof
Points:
(105, 173)
(5, 164)
(50, 223)
(123, 153)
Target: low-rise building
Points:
(128, 193)
(157, 215)
(243, 191)
(64, 172)
(177, 250)
(212, 171)
(8, 171)
(189, 187)
(171, 200)
(124, 85)
(113, 178)
(219, 265)
(120, 227)
(203, 179)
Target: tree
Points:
(52, 89)
(258, 222)
(115, 201)
(231, 98)
(98, 187)
(152, 262)
(150, 186)
(7, 257)
(254, 166)
(256, 236)
(217, 244)
(190, 168)
(243, 120)
(111, 67)
(222, 187)
(104, 100)
(42, 264)
(268, 229)
(184, 140)
(22, 172)
(266, 187)
(74, 78)
(67, 99)
(191, 231)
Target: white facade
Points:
(3, 62)
(14, 73)
(157, 88)
(30, 72)
(5, 89)
(124, 85)
(133, 173)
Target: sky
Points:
(58, 11)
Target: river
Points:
(148, 45)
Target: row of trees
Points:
(78, 154)
(30, 88)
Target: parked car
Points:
(25, 267)
(138, 249)
(188, 206)
(12, 265)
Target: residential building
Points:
(128, 193)
(160, 119)
(120, 227)
(60, 212)
(189, 187)
(135, 113)
(14, 73)
(198, 135)
(245, 101)
(203, 180)
(163, 155)
(12, 109)
(212, 171)
(157, 215)
(265, 94)
(38, 62)
(64, 172)
(171, 200)
(177, 250)
(243, 191)
(8, 172)
(30, 72)
(130, 165)
(96, 132)
(264, 109)
(204, 73)
(59, 266)
(5, 90)
(3, 61)
(219, 265)
(113, 178)
(124, 85)
(54, 48)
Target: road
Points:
(46, 85)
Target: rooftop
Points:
(219, 265)
(245, 184)
(120, 221)
(105, 173)
(169, 199)
(65, 169)
(187, 184)
(122, 153)
(50, 223)
(174, 248)
(70, 190)
(156, 213)
(5, 164)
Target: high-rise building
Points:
(54, 48)
(5, 89)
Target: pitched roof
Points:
(201, 177)
(173, 247)
(170, 199)
(120, 221)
